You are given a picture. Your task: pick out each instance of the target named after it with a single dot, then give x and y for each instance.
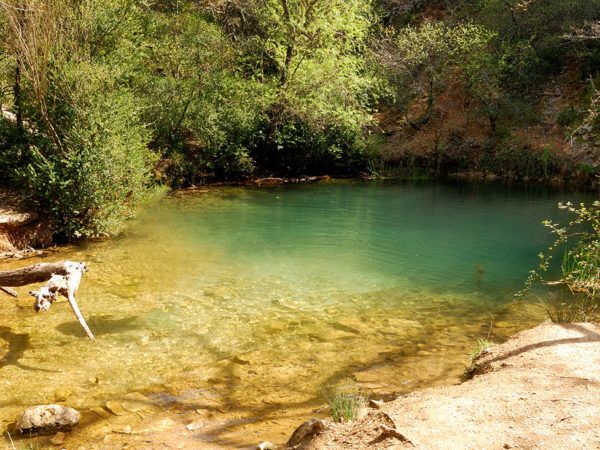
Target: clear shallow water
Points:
(237, 303)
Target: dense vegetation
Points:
(103, 100)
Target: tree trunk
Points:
(18, 101)
(417, 124)
(36, 273)
(289, 52)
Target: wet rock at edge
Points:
(305, 432)
(47, 418)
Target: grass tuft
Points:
(344, 400)
(571, 309)
(482, 345)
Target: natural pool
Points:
(228, 307)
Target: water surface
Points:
(235, 304)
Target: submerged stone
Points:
(116, 408)
(58, 438)
(47, 418)
(122, 430)
(135, 402)
(61, 394)
(193, 426)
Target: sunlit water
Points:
(236, 304)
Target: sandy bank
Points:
(540, 389)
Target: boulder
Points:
(47, 418)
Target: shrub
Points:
(102, 172)
(579, 284)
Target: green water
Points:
(241, 301)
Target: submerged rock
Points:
(61, 394)
(266, 445)
(47, 418)
(116, 408)
(193, 426)
(58, 438)
(126, 429)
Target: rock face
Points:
(47, 418)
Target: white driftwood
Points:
(65, 285)
(63, 278)
(8, 291)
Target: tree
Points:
(314, 56)
(424, 57)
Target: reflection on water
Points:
(236, 304)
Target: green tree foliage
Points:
(86, 161)
(424, 57)
(204, 115)
(314, 58)
(531, 34)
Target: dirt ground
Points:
(540, 389)
(20, 228)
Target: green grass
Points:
(344, 400)
(571, 309)
(482, 345)
(22, 446)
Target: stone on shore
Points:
(47, 418)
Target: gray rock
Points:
(47, 417)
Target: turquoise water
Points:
(371, 236)
(241, 302)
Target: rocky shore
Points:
(540, 389)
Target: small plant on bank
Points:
(483, 344)
(344, 400)
(576, 295)
(569, 308)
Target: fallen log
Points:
(36, 273)
(62, 278)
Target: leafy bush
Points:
(90, 186)
(579, 267)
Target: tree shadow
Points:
(18, 343)
(102, 325)
(587, 336)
